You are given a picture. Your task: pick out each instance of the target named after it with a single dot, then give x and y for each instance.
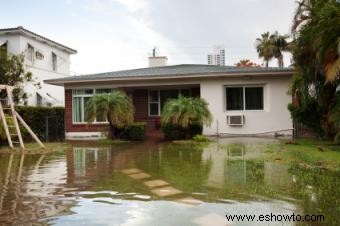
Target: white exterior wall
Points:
(274, 118)
(41, 69)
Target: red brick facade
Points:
(70, 127)
(140, 102)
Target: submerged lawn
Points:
(35, 148)
(116, 182)
(307, 153)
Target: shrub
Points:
(186, 111)
(116, 107)
(36, 118)
(177, 132)
(11, 130)
(173, 132)
(195, 129)
(134, 131)
(200, 138)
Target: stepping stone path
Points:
(166, 191)
(190, 201)
(160, 188)
(139, 176)
(130, 171)
(155, 183)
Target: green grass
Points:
(35, 148)
(308, 153)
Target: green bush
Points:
(200, 138)
(173, 132)
(195, 129)
(134, 131)
(36, 118)
(12, 130)
(176, 132)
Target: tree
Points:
(186, 111)
(12, 73)
(316, 50)
(246, 63)
(271, 46)
(303, 13)
(115, 107)
(280, 45)
(265, 47)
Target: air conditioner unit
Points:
(235, 120)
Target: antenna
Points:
(154, 51)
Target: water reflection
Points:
(165, 184)
(27, 186)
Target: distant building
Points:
(217, 57)
(44, 58)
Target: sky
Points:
(112, 35)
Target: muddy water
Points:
(162, 184)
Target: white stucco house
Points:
(44, 58)
(242, 101)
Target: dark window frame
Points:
(54, 61)
(244, 102)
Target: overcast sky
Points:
(120, 34)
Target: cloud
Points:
(119, 34)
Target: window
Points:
(39, 99)
(154, 103)
(80, 97)
(244, 98)
(79, 100)
(158, 98)
(30, 53)
(254, 98)
(54, 61)
(234, 98)
(39, 55)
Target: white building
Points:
(44, 58)
(217, 57)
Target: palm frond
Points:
(185, 111)
(116, 107)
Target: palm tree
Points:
(303, 13)
(316, 53)
(186, 111)
(280, 45)
(265, 47)
(115, 107)
(323, 17)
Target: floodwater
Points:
(162, 184)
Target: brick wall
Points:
(140, 102)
